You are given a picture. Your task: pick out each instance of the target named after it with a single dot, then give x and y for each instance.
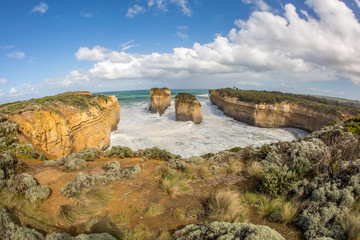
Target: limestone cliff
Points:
(67, 123)
(280, 114)
(160, 99)
(187, 108)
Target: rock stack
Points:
(160, 99)
(187, 108)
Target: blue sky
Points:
(48, 47)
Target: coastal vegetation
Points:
(305, 189)
(316, 102)
(79, 100)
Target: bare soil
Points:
(132, 197)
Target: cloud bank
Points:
(287, 47)
(41, 8)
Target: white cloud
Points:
(183, 27)
(95, 54)
(357, 3)
(162, 5)
(260, 4)
(256, 84)
(3, 81)
(127, 45)
(22, 90)
(135, 10)
(7, 46)
(86, 14)
(41, 8)
(266, 47)
(18, 55)
(182, 35)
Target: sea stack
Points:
(160, 99)
(187, 108)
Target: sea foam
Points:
(140, 129)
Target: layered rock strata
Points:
(283, 114)
(187, 108)
(160, 99)
(70, 123)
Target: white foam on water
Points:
(140, 129)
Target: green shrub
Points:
(276, 180)
(225, 230)
(119, 152)
(159, 154)
(37, 193)
(74, 165)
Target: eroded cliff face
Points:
(61, 129)
(160, 99)
(284, 114)
(187, 109)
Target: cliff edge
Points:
(66, 123)
(160, 99)
(274, 109)
(187, 108)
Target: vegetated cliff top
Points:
(186, 98)
(79, 100)
(162, 91)
(273, 97)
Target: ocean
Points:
(139, 129)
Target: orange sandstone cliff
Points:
(187, 108)
(282, 114)
(69, 122)
(160, 99)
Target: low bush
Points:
(159, 154)
(75, 161)
(113, 173)
(119, 152)
(225, 230)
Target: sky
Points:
(309, 47)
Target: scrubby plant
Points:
(276, 180)
(75, 161)
(10, 230)
(37, 193)
(159, 154)
(74, 164)
(119, 152)
(113, 173)
(225, 230)
(224, 206)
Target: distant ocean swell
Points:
(139, 129)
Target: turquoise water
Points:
(139, 129)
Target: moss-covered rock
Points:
(225, 231)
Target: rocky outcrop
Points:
(160, 99)
(283, 114)
(187, 108)
(69, 122)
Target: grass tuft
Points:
(253, 170)
(69, 214)
(351, 226)
(121, 218)
(225, 206)
(174, 184)
(154, 210)
(179, 214)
